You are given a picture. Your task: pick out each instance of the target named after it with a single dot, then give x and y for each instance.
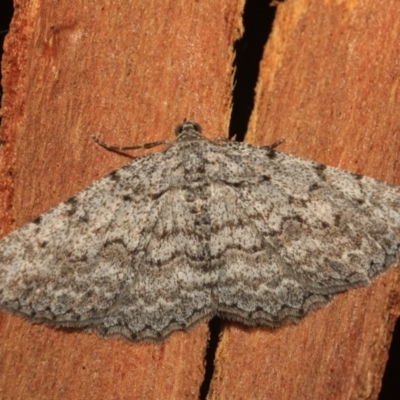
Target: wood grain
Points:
(329, 85)
(129, 72)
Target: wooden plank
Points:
(126, 71)
(329, 84)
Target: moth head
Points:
(188, 130)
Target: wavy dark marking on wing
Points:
(196, 230)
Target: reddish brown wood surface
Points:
(129, 72)
(329, 84)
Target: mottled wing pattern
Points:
(200, 229)
(106, 260)
(291, 233)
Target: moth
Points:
(199, 229)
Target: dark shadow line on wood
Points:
(215, 326)
(390, 383)
(6, 14)
(258, 17)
